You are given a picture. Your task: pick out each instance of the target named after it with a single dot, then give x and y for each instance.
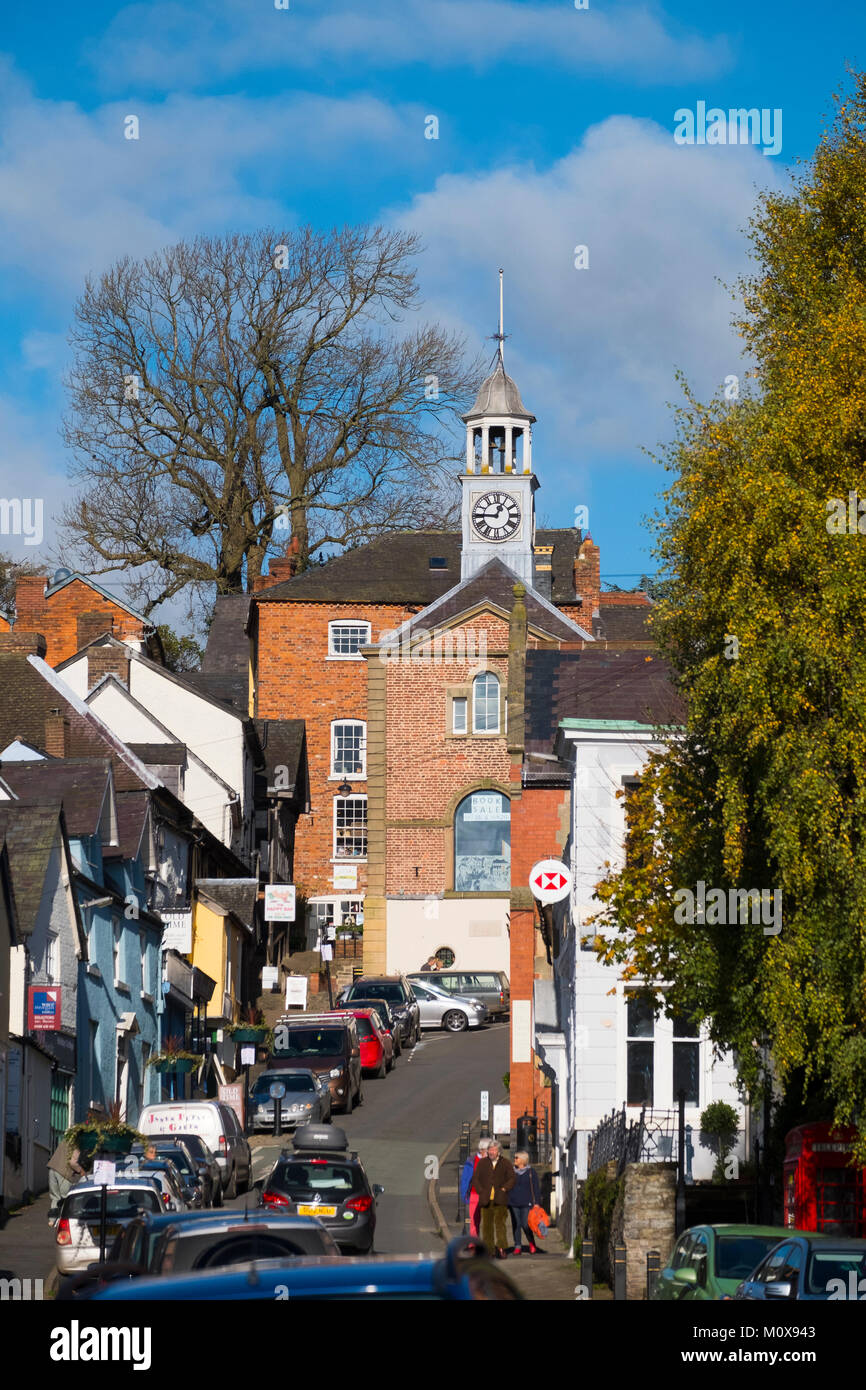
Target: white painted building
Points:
(601, 1040)
(208, 759)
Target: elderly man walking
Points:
(466, 1191)
(493, 1179)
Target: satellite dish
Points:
(61, 574)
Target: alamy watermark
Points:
(716, 907)
(22, 516)
(737, 126)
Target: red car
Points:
(377, 1046)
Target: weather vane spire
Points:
(501, 335)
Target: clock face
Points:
(496, 516)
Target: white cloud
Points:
(75, 194)
(174, 47)
(594, 351)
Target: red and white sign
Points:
(43, 1007)
(550, 880)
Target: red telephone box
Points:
(823, 1192)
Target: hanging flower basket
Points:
(110, 1136)
(117, 1143)
(175, 1064)
(85, 1142)
(248, 1033)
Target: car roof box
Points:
(321, 1137)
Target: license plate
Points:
(110, 1232)
(307, 1210)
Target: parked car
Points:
(307, 1099)
(173, 1244)
(377, 1044)
(195, 1174)
(708, 1262)
(326, 1044)
(439, 1009)
(77, 1232)
(202, 1157)
(398, 993)
(218, 1126)
(807, 1268)
(320, 1177)
(490, 986)
(385, 1015)
(464, 1274)
(177, 1195)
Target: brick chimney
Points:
(91, 625)
(587, 578)
(284, 566)
(542, 568)
(30, 600)
(56, 733)
(107, 661)
(22, 642)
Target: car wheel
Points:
(389, 1065)
(245, 1186)
(359, 1098)
(218, 1196)
(350, 1103)
(382, 1070)
(455, 1021)
(231, 1190)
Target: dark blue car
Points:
(464, 1275)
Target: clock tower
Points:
(498, 485)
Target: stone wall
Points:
(647, 1219)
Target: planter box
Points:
(169, 1065)
(249, 1035)
(116, 1143)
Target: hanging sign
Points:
(550, 880)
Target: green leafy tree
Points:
(182, 653)
(762, 621)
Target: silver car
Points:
(453, 1012)
(306, 1100)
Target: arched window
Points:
(482, 843)
(485, 704)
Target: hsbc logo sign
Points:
(550, 881)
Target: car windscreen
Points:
(381, 1006)
(178, 1158)
(737, 1256)
(365, 1028)
(128, 1202)
(393, 994)
(197, 1147)
(826, 1265)
(293, 1082)
(313, 1042)
(327, 1177)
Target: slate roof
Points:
(622, 622)
(79, 783)
(495, 582)
(235, 895)
(224, 668)
(30, 832)
(396, 569)
(159, 754)
(31, 690)
(132, 812)
(596, 683)
(282, 742)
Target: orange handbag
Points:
(539, 1220)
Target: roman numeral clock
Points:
(496, 516)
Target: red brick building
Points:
(72, 609)
(406, 659)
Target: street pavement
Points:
(408, 1120)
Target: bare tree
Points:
(232, 392)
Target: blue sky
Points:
(555, 130)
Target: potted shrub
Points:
(173, 1058)
(720, 1124)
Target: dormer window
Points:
(438, 562)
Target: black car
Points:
(184, 1242)
(397, 992)
(196, 1176)
(202, 1156)
(320, 1177)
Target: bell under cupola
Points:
(499, 484)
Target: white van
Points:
(215, 1123)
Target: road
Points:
(410, 1117)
